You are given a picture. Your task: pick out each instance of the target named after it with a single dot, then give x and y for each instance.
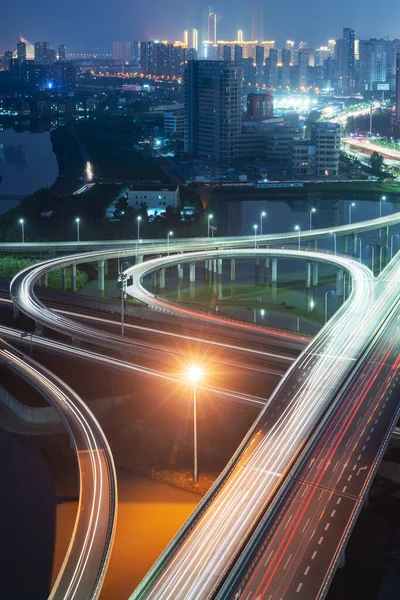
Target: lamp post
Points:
(312, 211)
(352, 205)
(358, 239)
(326, 303)
(255, 235)
(138, 226)
(22, 223)
(208, 224)
(334, 241)
(380, 257)
(372, 258)
(380, 205)
(77, 221)
(262, 215)
(297, 228)
(193, 376)
(391, 244)
(168, 236)
(123, 277)
(137, 242)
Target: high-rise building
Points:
(332, 48)
(397, 89)
(122, 51)
(321, 54)
(345, 62)
(212, 27)
(303, 68)
(192, 39)
(237, 52)
(213, 109)
(372, 68)
(259, 65)
(42, 54)
(62, 52)
(260, 105)
(21, 52)
(326, 138)
(239, 35)
(257, 22)
(285, 78)
(162, 59)
(272, 68)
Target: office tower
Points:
(346, 65)
(321, 54)
(326, 138)
(257, 22)
(239, 35)
(122, 51)
(7, 57)
(192, 39)
(213, 108)
(42, 53)
(185, 36)
(260, 105)
(161, 59)
(212, 28)
(62, 51)
(397, 114)
(174, 124)
(372, 68)
(303, 45)
(303, 68)
(332, 48)
(21, 52)
(237, 53)
(329, 72)
(285, 78)
(259, 65)
(357, 49)
(272, 68)
(226, 53)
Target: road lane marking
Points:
(320, 541)
(307, 569)
(362, 469)
(299, 587)
(288, 521)
(333, 513)
(269, 556)
(327, 526)
(287, 562)
(308, 520)
(314, 554)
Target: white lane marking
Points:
(345, 488)
(368, 438)
(339, 501)
(349, 478)
(299, 587)
(288, 521)
(335, 467)
(287, 562)
(314, 554)
(308, 520)
(358, 457)
(307, 569)
(363, 448)
(269, 556)
(362, 469)
(327, 526)
(333, 513)
(320, 541)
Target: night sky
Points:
(89, 23)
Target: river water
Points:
(27, 163)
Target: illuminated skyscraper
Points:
(239, 35)
(257, 22)
(398, 88)
(212, 28)
(192, 39)
(62, 51)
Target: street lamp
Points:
(297, 228)
(326, 303)
(137, 242)
(193, 376)
(380, 257)
(350, 207)
(380, 205)
(262, 215)
(123, 277)
(334, 240)
(138, 226)
(168, 236)
(208, 224)
(313, 210)
(372, 258)
(77, 221)
(359, 240)
(22, 223)
(255, 236)
(391, 244)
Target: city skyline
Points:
(131, 24)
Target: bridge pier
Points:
(315, 274)
(308, 273)
(180, 271)
(154, 279)
(162, 278)
(339, 282)
(346, 244)
(219, 266)
(266, 271)
(192, 274)
(73, 276)
(206, 273)
(106, 267)
(233, 269)
(354, 244)
(64, 278)
(100, 275)
(139, 258)
(45, 279)
(274, 273)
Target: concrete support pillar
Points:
(339, 282)
(315, 244)
(220, 290)
(346, 244)
(233, 269)
(315, 274)
(162, 278)
(219, 266)
(38, 328)
(180, 271)
(105, 267)
(154, 279)
(308, 274)
(214, 265)
(274, 292)
(64, 278)
(206, 273)
(46, 279)
(266, 271)
(274, 273)
(192, 275)
(73, 276)
(100, 275)
(210, 266)
(309, 245)
(139, 258)
(192, 290)
(354, 244)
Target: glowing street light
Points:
(77, 221)
(312, 211)
(350, 207)
(297, 228)
(372, 258)
(193, 376)
(262, 215)
(22, 223)
(208, 224)
(255, 235)
(380, 205)
(138, 226)
(168, 236)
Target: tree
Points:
(376, 163)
